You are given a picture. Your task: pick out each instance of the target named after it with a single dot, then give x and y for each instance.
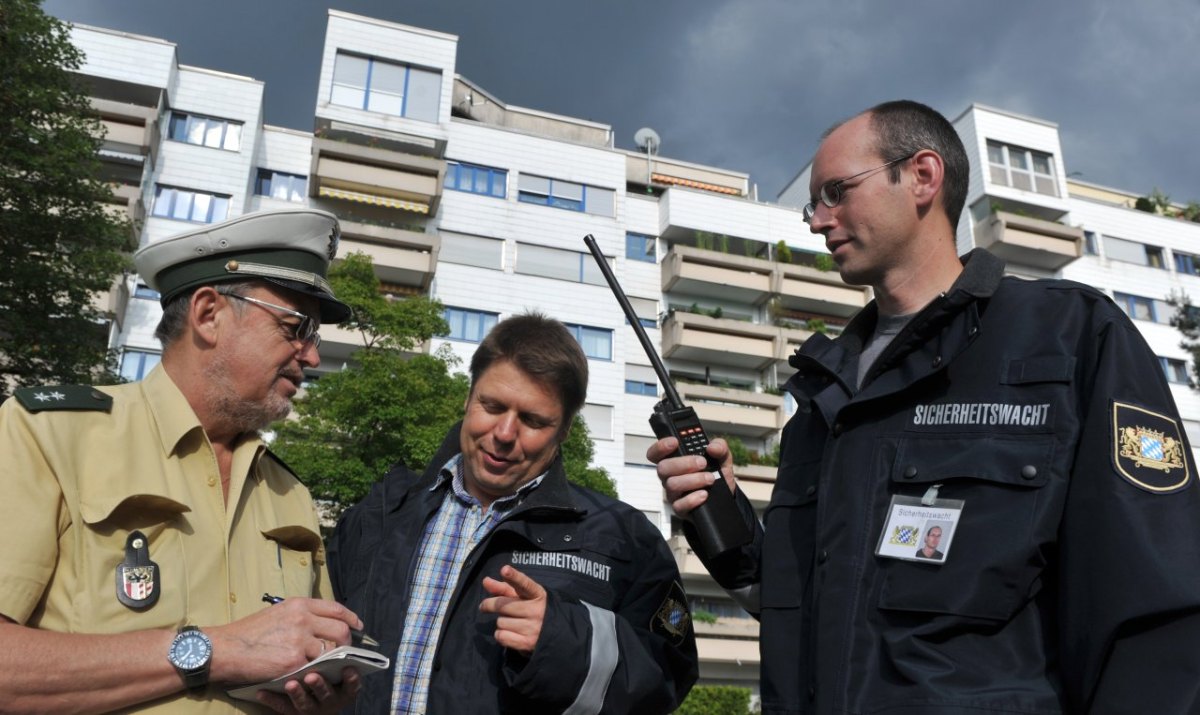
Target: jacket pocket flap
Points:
(1018, 461)
(132, 510)
(1048, 368)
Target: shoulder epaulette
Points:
(63, 397)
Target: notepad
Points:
(329, 665)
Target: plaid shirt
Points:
(457, 528)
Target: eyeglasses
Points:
(304, 332)
(831, 192)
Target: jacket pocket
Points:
(789, 523)
(1012, 497)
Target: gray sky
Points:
(749, 85)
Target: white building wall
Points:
(387, 41)
(124, 56)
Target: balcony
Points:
(401, 256)
(370, 174)
(718, 341)
(741, 413)
(721, 276)
(1029, 241)
(809, 290)
(131, 138)
(756, 481)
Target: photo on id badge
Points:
(917, 531)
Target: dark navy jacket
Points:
(617, 636)
(1072, 583)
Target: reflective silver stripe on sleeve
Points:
(747, 598)
(603, 663)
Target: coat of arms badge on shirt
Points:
(137, 576)
(1148, 449)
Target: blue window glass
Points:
(145, 291)
(476, 179)
(596, 342)
(639, 247)
(565, 195)
(205, 131)
(135, 364)
(637, 387)
(1175, 370)
(386, 87)
(1187, 263)
(278, 185)
(469, 325)
(186, 205)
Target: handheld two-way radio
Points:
(718, 521)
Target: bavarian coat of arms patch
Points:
(1148, 449)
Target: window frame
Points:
(486, 321)
(1009, 167)
(297, 185)
(1175, 370)
(455, 179)
(648, 250)
(189, 120)
(559, 194)
(176, 192)
(579, 331)
(371, 86)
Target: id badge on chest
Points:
(920, 528)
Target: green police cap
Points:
(289, 247)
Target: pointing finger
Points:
(525, 587)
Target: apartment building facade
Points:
(483, 205)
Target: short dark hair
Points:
(904, 127)
(543, 349)
(174, 317)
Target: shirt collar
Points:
(452, 472)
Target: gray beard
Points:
(242, 415)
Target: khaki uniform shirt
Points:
(74, 484)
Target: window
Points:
(186, 205)
(565, 195)
(145, 291)
(599, 420)
(635, 387)
(472, 250)
(639, 247)
(1090, 245)
(596, 342)
(558, 263)
(1119, 249)
(1142, 308)
(469, 325)
(476, 179)
(386, 87)
(206, 131)
(1187, 263)
(278, 185)
(1023, 169)
(1175, 370)
(646, 311)
(641, 380)
(635, 449)
(135, 364)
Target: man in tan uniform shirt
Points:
(130, 512)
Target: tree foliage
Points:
(392, 405)
(58, 245)
(1186, 320)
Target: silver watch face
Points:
(190, 650)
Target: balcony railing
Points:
(401, 256)
(741, 413)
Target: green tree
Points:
(391, 406)
(577, 452)
(58, 245)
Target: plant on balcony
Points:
(783, 252)
(1144, 203)
(702, 616)
(824, 262)
(816, 325)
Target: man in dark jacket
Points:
(494, 584)
(1028, 417)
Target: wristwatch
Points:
(191, 653)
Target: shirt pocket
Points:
(292, 553)
(1012, 495)
(108, 521)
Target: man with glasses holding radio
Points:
(1029, 418)
(143, 523)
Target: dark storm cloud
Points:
(749, 85)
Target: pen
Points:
(357, 637)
